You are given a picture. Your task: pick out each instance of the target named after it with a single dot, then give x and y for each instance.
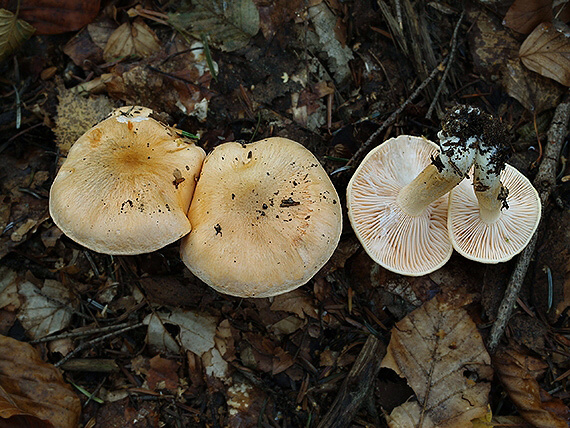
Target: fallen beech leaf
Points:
(33, 389)
(438, 349)
(524, 15)
(517, 373)
(134, 40)
(13, 32)
(546, 51)
(55, 16)
(229, 25)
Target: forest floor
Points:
(142, 342)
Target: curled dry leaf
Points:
(31, 388)
(517, 373)
(438, 349)
(131, 40)
(13, 32)
(55, 16)
(524, 15)
(547, 51)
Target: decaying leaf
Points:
(491, 43)
(45, 310)
(13, 32)
(524, 15)
(33, 390)
(134, 40)
(180, 67)
(228, 25)
(197, 333)
(338, 56)
(518, 373)
(535, 92)
(547, 51)
(55, 16)
(439, 351)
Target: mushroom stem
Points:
(443, 174)
(490, 160)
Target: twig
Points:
(356, 157)
(448, 66)
(96, 341)
(89, 332)
(544, 182)
(356, 386)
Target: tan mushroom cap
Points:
(126, 185)
(405, 244)
(503, 239)
(265, 218)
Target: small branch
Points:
(93, 342)
(544, 182)
(447, 67)
(356, 386)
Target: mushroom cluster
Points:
(264, 216)
(410, 206)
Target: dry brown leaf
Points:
(54, 16)
(517, 373)
(547, 51)
(134, 40)
(524, 15)
(29, 386)
(439, 351)
(297, 302)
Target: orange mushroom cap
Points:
(265, 218)
(126, 185)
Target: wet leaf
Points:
(535, 92)
(13, 32)
(45, 310)
(228, 25)
(33, 389)
(524, 15)
(439, 351)
(55, 16)
(518, 373)
(134, 40)
(546, 51)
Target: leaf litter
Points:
(323, 73)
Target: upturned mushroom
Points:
(126, 185)
(493, 219)
(265, 218)
(397, 198)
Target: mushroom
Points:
(493, 220)
(397, 198)
(126, 185)
(265, 218)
